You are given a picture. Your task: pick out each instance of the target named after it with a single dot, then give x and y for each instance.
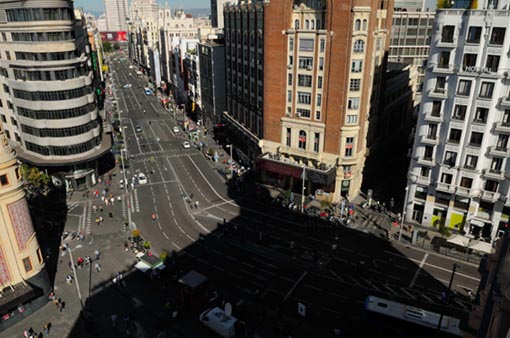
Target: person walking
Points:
(97, 254)
(62, 306)
(47, 328)
(98, 267)
(111, 214)
(69, 279)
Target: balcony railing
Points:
(499, 151)
(463, 191)
(490, 195)
(430, 139)
(502, 127)
(432, 117)
(426, 161)
(446, 187)
(493, 174)
(505, 101)
(440, 93)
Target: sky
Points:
(98, 5)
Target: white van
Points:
(139, 72)
(217, 320)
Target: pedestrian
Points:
(97, 221)
(126, 246)
(88, 260)
(79, 262)
(112, 200)
(47, 328)
(111, 214)
(101, 219)
(114, 319)
(98, 267)
(69, 279)
(94, 207)
(25, 333)
(97, 254)
(62, 306)
(101, 208)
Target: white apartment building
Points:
(459, 172)
(116, 15)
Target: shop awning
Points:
(459, 240)
(481, 246)
(323, 177)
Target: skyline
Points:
(98, 5)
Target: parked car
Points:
(186, 145)
(138, 129)
(142, 179)
(176, 129)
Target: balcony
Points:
(499, 151)
(433, 117)
(445, 187)
(505, 101)
(463, 191)
(444, 69)
(426, 161)
(439, 93)
(430, 139)
(493, 174)
(502, 127)
(491, 196)
(447, 42)
(423, 180)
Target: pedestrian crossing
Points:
(88, 222)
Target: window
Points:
(364, 26)
(425, 171)
(496, 164)
(486, 90)
(506, 117)
(357, 25)
(302, 139)
(455, 135)
(355, 85)
(289, 82)
(432, 132)
(312, 24)
(4, 119)
(319, 100)
(306, 45)
(4, 180)
(304, 80)
(436, 108)
(466, 182)
(349, 145)
(318, 115)
(464, 87)
(353, 103)
(27, 263)
(319, 82)
(444, 60)
(321, 63)
(352, 119)
(291, 43)
(502, 142)
(474, 34)
(307, 24)
(289, 96)
(304, 98)
(359, 46)
(288, 138)
(446, 178)
(440, 84)
(497, 36)
(316, 142)
(491, 185)
(296, 24)
(450, 158)
(481, 115)
(356, 66)
(476, 139)
(378, 43)
(305, 62)
(322, 45)
(291, 60)
(459, 112)
(300, 112)
(469, 60)
(447, 34)
(428, 152)
(39, 255)
(492, 63)
(471, 161)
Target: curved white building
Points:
(47, 100)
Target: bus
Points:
(413, 315)
(147, 91)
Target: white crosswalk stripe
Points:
(88, 206)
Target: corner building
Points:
(47, 98)
(303, 78)
(458, 177)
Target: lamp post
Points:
(403, 214)
(126, 183)
(66, 245)
(303, 190)
(438, 328)
(231, 159)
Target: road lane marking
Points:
(137, 204)
(294, 286)
(418, 270)
(166, 236)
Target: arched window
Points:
(319, 24)
(296, 24)
(359, 46)
(365, 24)
(302, 139)
(357, 25)
(307, 24)
(312, 24)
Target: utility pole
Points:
(438, 328)
(303, 190)
(403, 214)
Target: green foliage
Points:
(136, 233)
(36, 181)
(325, 204)
(116, 46)
(147, 245)
(444, 3)
(443, 230)
(163, 255)
(107, 47)
(286, 195)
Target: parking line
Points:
(419, 270)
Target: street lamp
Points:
(126, 183)
(303, 189)
(231, 159)
(66, 245)
(438, 328)
(403, 214)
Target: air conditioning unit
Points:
(309, 67)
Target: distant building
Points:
(116, 12)
(217, 13)
(102, 24)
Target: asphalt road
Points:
(265, 252)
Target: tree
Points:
(116, 46)
(107, 47)
(36, 181)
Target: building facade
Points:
(458, 177)
(303, 77)
(116, 12)
(24, 283)
(217, 13)
(48, 103)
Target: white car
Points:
(217, 320)
(176, 129)
(131, 67)
(186, 145)
(138, 129)
(142, 179)
(128, 85)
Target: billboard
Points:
(120, 36)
